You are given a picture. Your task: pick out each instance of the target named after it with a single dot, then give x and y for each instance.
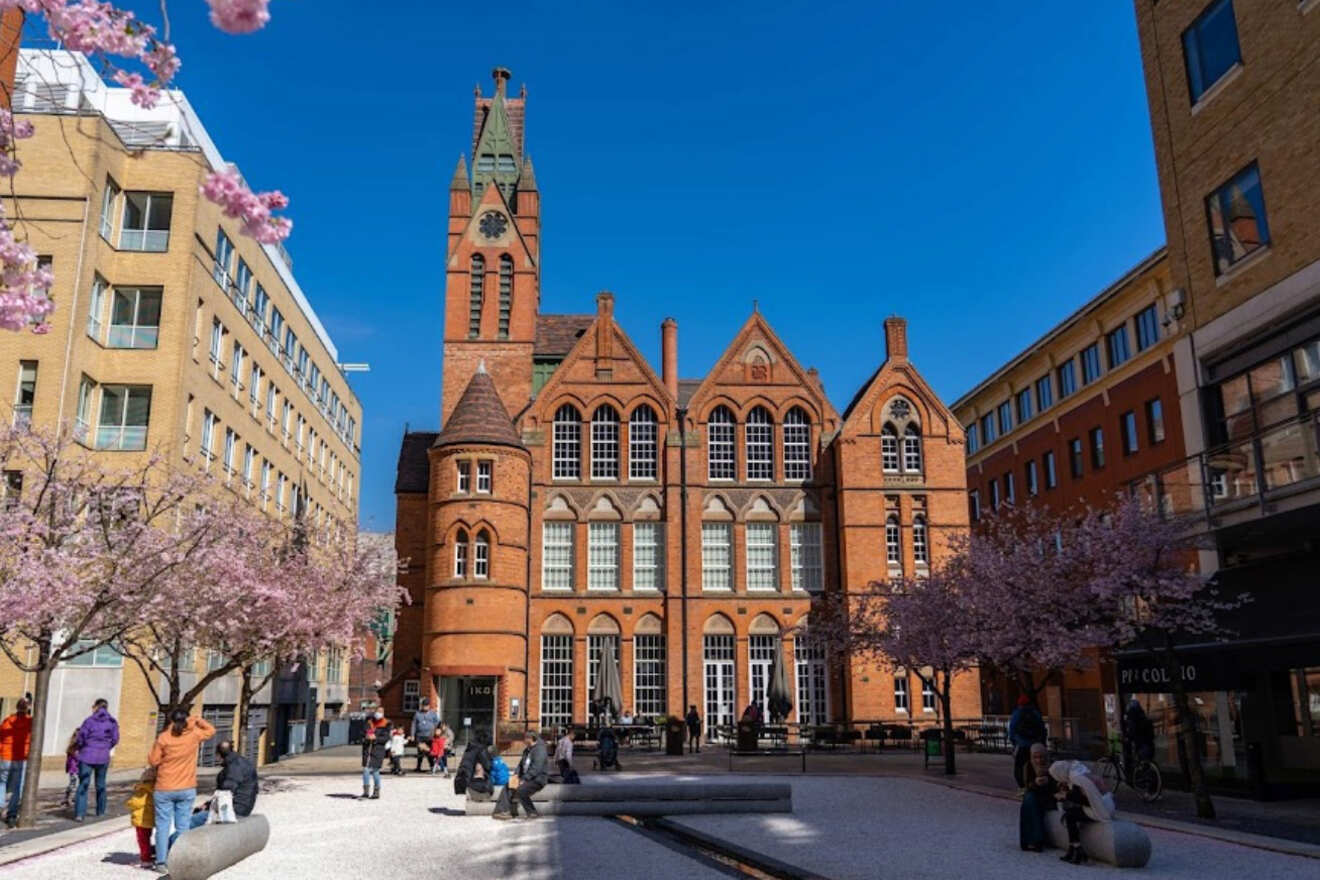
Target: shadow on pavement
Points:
(121, 858)
(447, 811)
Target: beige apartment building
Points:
(172, 332)
(1234, 93)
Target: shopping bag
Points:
(222, 807)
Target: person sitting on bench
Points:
(1082, 800)
(473, 773)
(533, 773)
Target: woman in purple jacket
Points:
(97, 736)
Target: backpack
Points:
(1031, 727)
(499, 771)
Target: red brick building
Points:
(576, 501)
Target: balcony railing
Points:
(131, 336)
(122, 437)
(1275, 461)
(154, 240)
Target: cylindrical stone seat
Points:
(201, 852)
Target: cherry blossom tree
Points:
(87, 552)
(139, 56)
(1145, 591)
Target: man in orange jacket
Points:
(15, 739)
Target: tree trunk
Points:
(241, 717)
(1205, 808)
(946, 701)
(32, 780)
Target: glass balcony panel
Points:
(1289, 455)
(1232, 473)
(122, 437)
(131, 336)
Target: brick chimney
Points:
(669, 355)
(604, 326)
(896, 338)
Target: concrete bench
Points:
(1119, 842)
(644, 798)
(201, 852)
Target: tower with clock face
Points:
(492, 277)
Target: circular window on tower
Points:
(493, 224)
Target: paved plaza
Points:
(841, 828)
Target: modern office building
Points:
(1234, 93)
(174, 333)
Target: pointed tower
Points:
(492, 285)
(474, 646)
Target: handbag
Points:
(222, 808)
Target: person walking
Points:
(533, 773)
(1026, 728)
(174, 755)
(71, 769)
(564, 754)
(15, 739)
(440, 748)
(424, 722)
(694, 729)
(97, 736)
(375, 743)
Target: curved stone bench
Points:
(1122, 843)
(652, 799)
(201, 852)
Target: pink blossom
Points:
(144, 95)
(227, 189)
(239, 16)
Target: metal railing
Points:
(1278, 459)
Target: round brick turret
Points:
(476, 603)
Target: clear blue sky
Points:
(980, 168)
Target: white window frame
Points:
(649, 675)
(148, 240)
(893, 542)
(481, 555)
(889, 449)
(603, 556)
(927, 698)
(485, 469)
(96, 308)
(412, 695)
(717, 557)
(912, 449)
(901, 698)
(126, 437)
(797, 445)
(605, 443)
(556, 696)
(463, 477)
(805, 555)
(557, 555)
(460, 554)
(566, 452)
(648, 556)
(759, 444)
(721, 457)
(762, 552)
(642, 446)
(920, 541)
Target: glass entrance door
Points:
(467, 704)
(718, 674)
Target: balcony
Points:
(131, 336)
(150, 240)
(121, 437)
(1250, 475)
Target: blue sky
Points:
(980, 168)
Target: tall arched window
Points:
(797, 445)
(889, 449)
(912, 449)
(476, 294)
(605, 443)
(920, 547)
(641, 443)
(506, 294)
(481, 555)
(567, 451)
(720, 462)
(760, 440)
(893, 551)
(460, 553)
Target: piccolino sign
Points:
(1154, 675)
(1146, 675)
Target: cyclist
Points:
(1138, 738)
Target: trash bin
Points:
(674, 734)
(746, 736)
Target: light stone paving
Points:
(841, 828)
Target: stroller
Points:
(607, 757)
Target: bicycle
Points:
(1146, 780)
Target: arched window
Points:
(920, 547)
(605, 443)
(567, 452)
(481, 555)
(460, 554)
(893, 552)
(476, 294)
(760, 440)
(912, 449)
(720, 462)
(506, 294)
(797, 445)
(641, 444)
(889, 449)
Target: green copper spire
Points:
(496, 159)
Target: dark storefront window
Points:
(1283, 387)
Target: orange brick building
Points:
(577, 502)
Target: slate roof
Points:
(479, 417)
(557, 334)
(414, 470)
(686, 388)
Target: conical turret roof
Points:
(460, 179)
(479, 417)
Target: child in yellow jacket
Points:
(143, 813)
